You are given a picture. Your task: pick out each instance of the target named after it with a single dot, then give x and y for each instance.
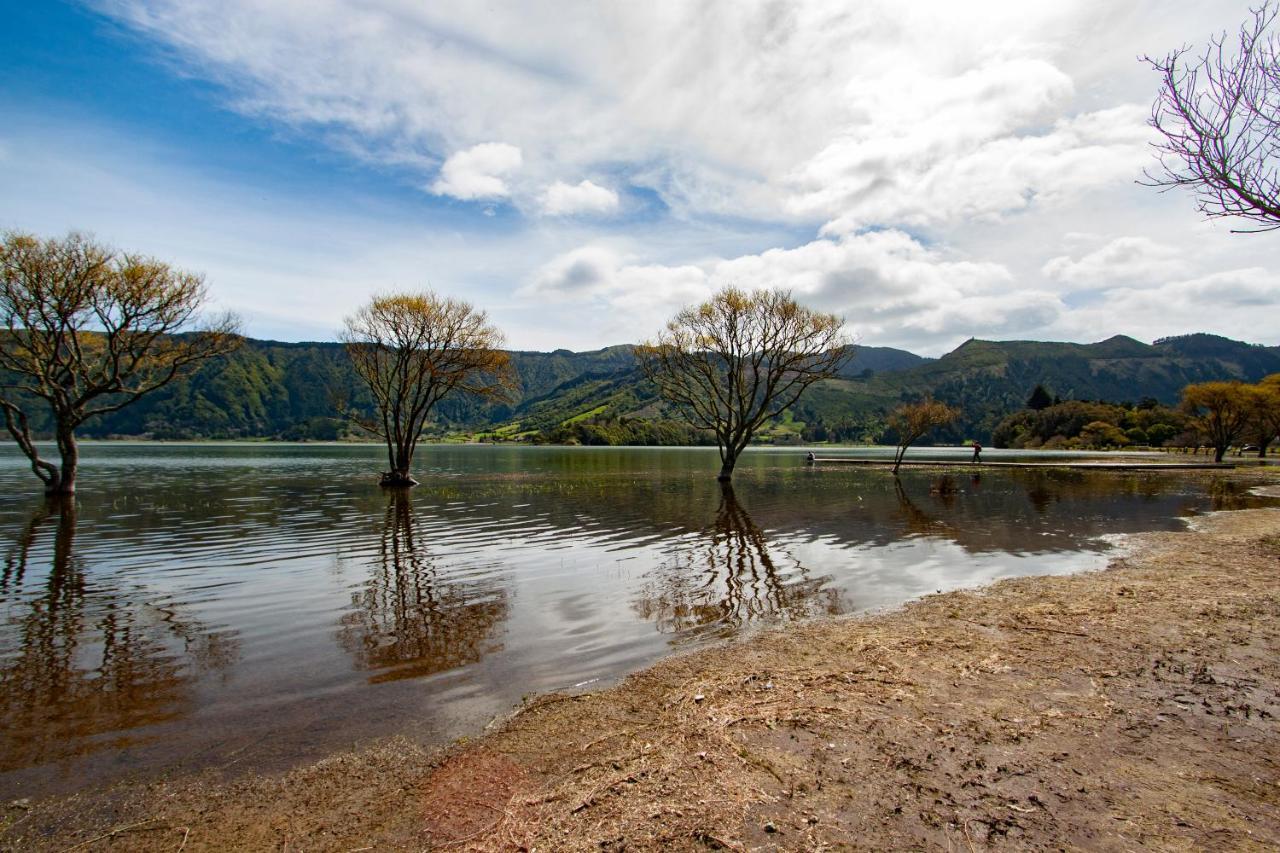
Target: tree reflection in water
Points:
(410, 619)
(1227, 495)
(915, 521)
(728, 576)
(87, 665)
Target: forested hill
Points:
(270, 389)
(987, 380)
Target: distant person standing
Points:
(977, 452)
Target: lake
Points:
(246, 607)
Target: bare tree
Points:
(912, 421)
(741, 358)
(412, 349)
(1219, 115)
(1222, 411)
(88, 330)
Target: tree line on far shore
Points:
(1214, 415)
(1218, 415)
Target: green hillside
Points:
(987, 380)
(270, 389)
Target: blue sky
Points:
(583, 170)
(67, 66)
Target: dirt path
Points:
(1135, 707)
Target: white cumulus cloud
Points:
(891, 288)
(1228, 302)
(582, 272)
(561, 199)
(478, 172)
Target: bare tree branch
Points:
(1219, 115)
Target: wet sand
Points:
(1133, 707)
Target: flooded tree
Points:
(1218, 114)
(1222, 412)
(413, 349)
(740, 359)
(88, 330)
(912, 421)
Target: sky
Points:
(931, 171)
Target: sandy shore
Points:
(1137, 707)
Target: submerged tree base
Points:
(397, 480)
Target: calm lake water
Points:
(252, 607)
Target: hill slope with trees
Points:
(987, 380)
(269, 389)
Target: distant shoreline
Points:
(915, 451)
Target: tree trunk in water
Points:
(726, 468)
(398, 477)
(65, 482)
(65, 539)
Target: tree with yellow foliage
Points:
(1223, 412)
(86, 330)
(412, 350)
(741, 358)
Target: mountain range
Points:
(270, 389)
